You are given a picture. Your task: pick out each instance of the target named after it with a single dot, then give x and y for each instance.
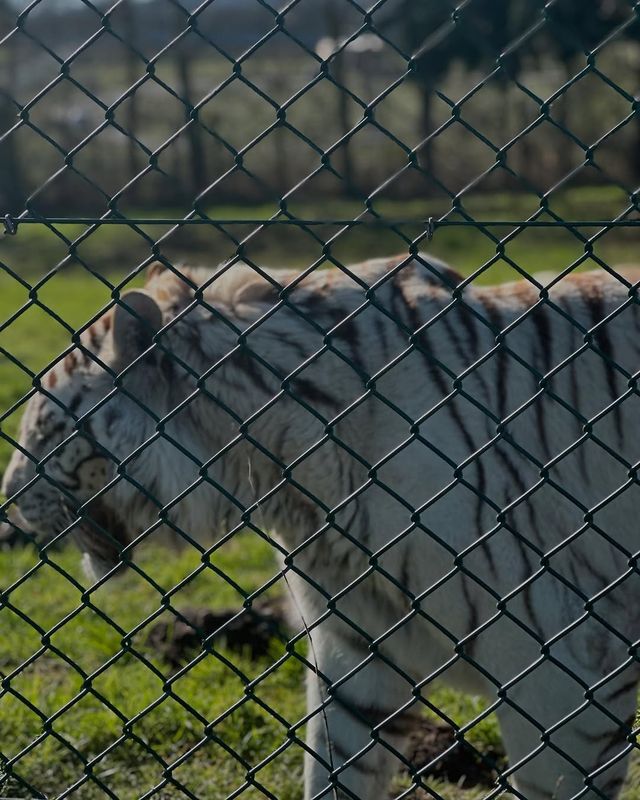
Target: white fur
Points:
(380, 509)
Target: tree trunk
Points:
(12, 194)
(526, 149)
(279, 138)
(196, 153)
(339, 72)
(635, 146)
(12, 188)
(564, 160)
(132, 116)
(632, 153)
(505, 131)
(426, 128)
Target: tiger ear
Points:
(154, 269)
(257, 291)
(136, 320)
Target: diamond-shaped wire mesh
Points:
(293, 445)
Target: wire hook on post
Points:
(10, 225)
(431, 228)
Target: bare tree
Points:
(12, 191)
(339, 72)
(279, 136)
(574, 29)
(184, 55)
(132, 74)
(422, 32)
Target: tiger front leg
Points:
(358, 729)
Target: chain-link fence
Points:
(236, 370)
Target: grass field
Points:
(91, 678)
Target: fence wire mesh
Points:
(434, 471)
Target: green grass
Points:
(112, 249)
(121, 679)
(109, 676)
(82, 723)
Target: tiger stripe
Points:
(270, 418)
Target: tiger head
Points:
(119, 438)
(83, 452)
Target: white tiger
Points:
(451, 470)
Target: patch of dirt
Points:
(457, 762)
(251, 632)
(432, 746)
